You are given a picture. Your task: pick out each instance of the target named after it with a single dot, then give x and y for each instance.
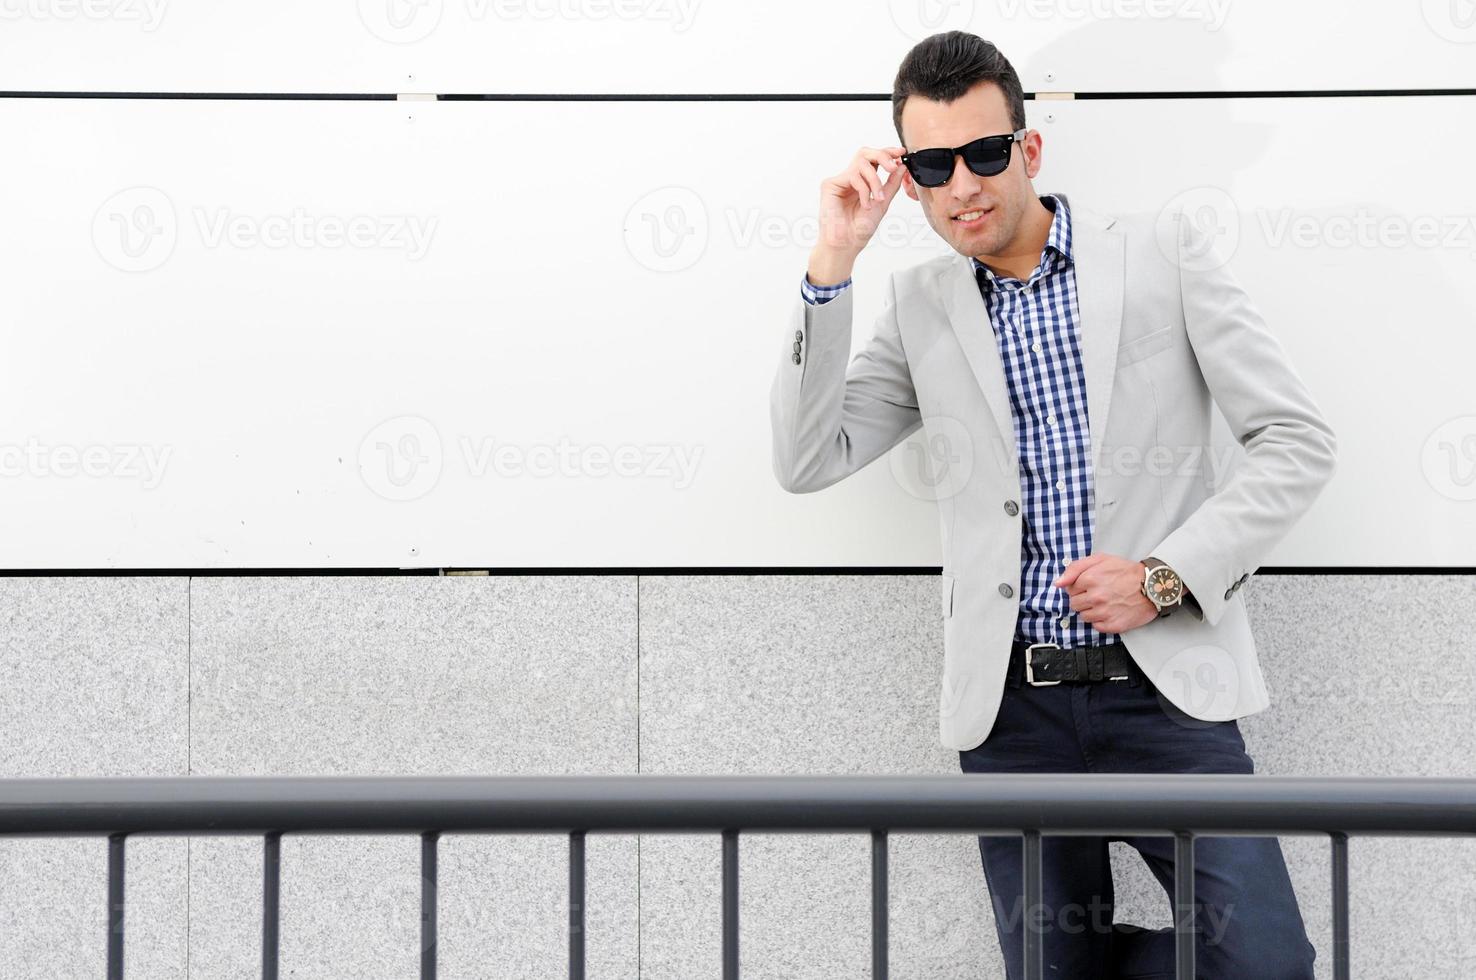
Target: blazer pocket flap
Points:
(1150, 343)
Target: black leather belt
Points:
(1049, 663)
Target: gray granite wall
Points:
(614, 674)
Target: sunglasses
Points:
(985, 156)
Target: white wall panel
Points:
(176, 289)
(729, 46)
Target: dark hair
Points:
(945, 66)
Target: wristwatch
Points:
(1162, 586)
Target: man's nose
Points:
(965, 182)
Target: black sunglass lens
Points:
(987, 157)
(929, 168)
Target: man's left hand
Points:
(1107, 592)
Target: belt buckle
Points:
(1030, 668)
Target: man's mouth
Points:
(972, 218)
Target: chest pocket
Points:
(1146, 345)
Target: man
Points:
(1092, 621)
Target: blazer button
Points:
(796, 358)
(1228, 593)
(796, 346)
(1006, 590)
(799, 335)
(1011, 508)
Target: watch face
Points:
(1164, 587)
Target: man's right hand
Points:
(852, 205)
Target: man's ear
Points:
(907, 184)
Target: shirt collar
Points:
(1058, 239)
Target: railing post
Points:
(429, 890)
(1034, 939)
(271, 903)
(878, 905)
(576, 905)
(730, 905)
(1340, 905)
(1184, 924)
(116, 859)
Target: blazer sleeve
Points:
(1290, 448)
(830, 418)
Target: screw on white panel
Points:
(1050, 76)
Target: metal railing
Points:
(1184, 806)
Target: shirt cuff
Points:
(815, 295)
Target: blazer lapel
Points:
(1097, 250)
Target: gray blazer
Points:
(1165, 329)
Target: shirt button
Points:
(1006, 590)
(1060, 484)
(1065, 562)
(1011, 508)
(1065, 621)
(1035, 347)
(1050, 420)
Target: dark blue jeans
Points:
(1246, 916)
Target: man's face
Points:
(979, 112)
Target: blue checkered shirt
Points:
(1035, 327)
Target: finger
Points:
(862, 190)
(866, 166)
(894, 181)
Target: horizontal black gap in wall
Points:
(669, 570)
(726, 96)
